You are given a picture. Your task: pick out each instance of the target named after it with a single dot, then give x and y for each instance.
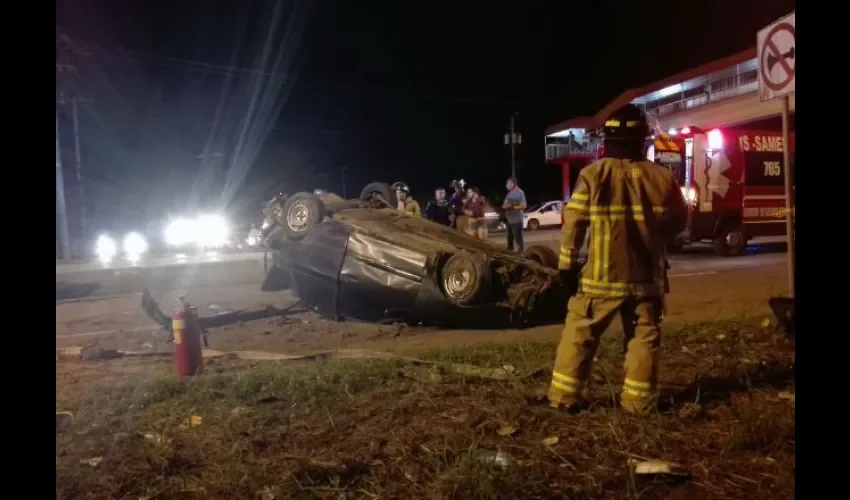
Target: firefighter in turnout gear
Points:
(405, 203)
(631, 208)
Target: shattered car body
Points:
(364, 260)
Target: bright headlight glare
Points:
(212, 231)
(180, 232)
(135, 245)
(105, 248)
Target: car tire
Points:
(730, 242)
(380, 194)
(544, 256)
(464, 278)
(533, 224)
(301, 212)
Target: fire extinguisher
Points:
(187, 340)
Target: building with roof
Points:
(722, 93)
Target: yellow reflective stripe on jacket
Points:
(604, 288)
(568, 258)
(578, 202)
(632, 210)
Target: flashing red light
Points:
(686, 130)
(715, 139)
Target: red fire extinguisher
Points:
(187, 340)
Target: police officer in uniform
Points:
(438, 209)
(631, 208)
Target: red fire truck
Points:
(733, 181)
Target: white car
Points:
(545, 214)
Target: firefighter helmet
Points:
(400, 186)
(627, 123)
(458, 184)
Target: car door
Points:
(549, 214)
(556, 218)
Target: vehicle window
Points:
(549, 208)
(533, 208)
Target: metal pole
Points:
(344, 195)
(789, 193)
(81, 204)
(513, 147)
(64, 240)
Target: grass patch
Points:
(384, 429)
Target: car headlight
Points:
(213, 231)
(105, 248)
(180, 232)
(134, 246)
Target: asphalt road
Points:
(81, 281)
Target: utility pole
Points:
(64, 240)
(81, 204)
(342, 172)
(512, 138)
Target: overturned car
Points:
(366, 260)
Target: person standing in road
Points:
(474, 209)
(456, 202)
(514, 206)
(438, 209)
(631, 208)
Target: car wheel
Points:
(301, 212)
(533, 225)
(380, 195)
(730, 242)
(464, 278)
(544, 256)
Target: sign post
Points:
(776, 72)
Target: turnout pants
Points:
(587, 320)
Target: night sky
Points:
(388, 90)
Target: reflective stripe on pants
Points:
(587, 320)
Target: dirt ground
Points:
(388, 429)
(120, 323)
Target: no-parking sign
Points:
(776, 58)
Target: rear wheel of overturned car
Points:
(542, 255)
(464, 278)
(380, 195)
(301, 212)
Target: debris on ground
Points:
(550, 441)
(506, 431)
(497, 458)
(92, 462)
(658, 467)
